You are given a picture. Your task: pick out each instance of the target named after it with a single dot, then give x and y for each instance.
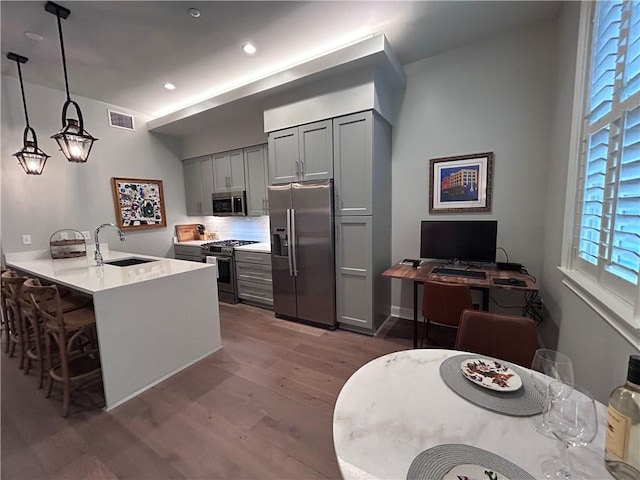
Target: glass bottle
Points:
(622, 450)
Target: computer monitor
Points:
(473, 240)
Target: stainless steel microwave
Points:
(229, 204)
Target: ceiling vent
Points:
(121, 120)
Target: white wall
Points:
(239, 228)
(599, 353)
(79, 196)
(238, 132)
(493, 96)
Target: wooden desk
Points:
(423, 273)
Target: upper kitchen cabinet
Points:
(255, 161)
(228, 171)
(198, 177)
(362, 162)
(301, 153)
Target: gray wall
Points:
(79, 196)
(600, 354)
(493, 96)
(236, 132)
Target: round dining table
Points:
(397, 406)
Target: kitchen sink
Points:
(127, 262)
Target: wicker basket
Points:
(67, 243)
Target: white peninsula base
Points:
(153, 319)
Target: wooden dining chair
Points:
(506, 337)
(442, 303)
(72, 334)
(11, 288)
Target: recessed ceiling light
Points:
(169, 86)
(249, 49)
(34, 36)
(194, 12)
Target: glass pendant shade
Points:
(31, 158)
(74, 142)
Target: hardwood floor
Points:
(259, 408)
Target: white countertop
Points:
(83, 274)
(264, 247)
(397, 406)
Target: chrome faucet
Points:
(98, 255)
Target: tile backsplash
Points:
(239, 228)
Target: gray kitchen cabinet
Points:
(198, 177)
(301, 153)
(255, 163)
(254, 278)
(363, 252)
(316, 151)
(228, 171)
(354, 291)
(362, 194)
(362, 163)
(283, 156)
(187, 252)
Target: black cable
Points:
(529, 309)
(524, 270)
(505, 253)
(505, 306)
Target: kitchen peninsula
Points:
(153, 319)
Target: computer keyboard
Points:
(454, 272)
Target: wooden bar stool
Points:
(33, 326)
(73, 333)
(11, 288)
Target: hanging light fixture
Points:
(30, 157)
(74, 141)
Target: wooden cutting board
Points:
(187, 232)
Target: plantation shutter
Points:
(608, 218)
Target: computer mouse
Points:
(513, 281)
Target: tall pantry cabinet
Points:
(362, 180)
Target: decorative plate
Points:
(491, 374)
(472, 472)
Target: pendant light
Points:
(74, 141)
(30, 157)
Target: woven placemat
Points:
(434, 463)
(524, 402)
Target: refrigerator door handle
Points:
(289, 246)
(293, 242)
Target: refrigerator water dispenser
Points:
(280, 241)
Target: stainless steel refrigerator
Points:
(302, 251)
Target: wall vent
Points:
(121, 120)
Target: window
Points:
(606, 243)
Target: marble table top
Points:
(397, 406)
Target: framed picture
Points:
(139, 203)
(461, 184)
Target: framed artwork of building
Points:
(461, 184)
(139, 204)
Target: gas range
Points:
(224, 247)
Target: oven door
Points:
(226, 274)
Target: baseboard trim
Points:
(401, 312)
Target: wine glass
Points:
(570, 414)
(554, 366)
